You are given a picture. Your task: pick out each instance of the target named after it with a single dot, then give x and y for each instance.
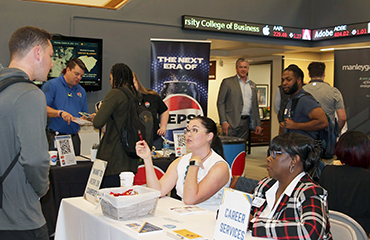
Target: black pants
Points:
(241, 131)
(34, 234)
(75, 140)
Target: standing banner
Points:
(352, 78)
(179, 73)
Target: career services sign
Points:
(233, 215)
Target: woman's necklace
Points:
(207, 155)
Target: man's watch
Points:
(194, 163)
(60, 113)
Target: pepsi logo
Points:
(182, 109)
(238, 164)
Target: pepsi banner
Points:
(352, 78)
(179, 73)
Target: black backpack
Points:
(4, 84)
(139, 118)
(327, 137)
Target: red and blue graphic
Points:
(235, 155)
(182, 109)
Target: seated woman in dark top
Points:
(289, 204)
(348, 185)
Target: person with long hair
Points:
(348, 184)
(112, 113)
(199, 176)
(159, 111)
(289, 204)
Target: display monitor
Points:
(89, 50)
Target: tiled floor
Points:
(255, 163)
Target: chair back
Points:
(341, 230)
(243, 184)
(338, 216)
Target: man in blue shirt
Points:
(308, 117)
(65, 98)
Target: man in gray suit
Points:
(237, 103)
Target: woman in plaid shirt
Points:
(289, 204)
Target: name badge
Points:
(258, 202)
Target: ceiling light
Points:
(327, 49)
(109, 4)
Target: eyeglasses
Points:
(192, 131)
(273, 153)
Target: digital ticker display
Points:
(276, 31)
(344, 30)
(229, 26)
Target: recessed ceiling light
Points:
(327, 49)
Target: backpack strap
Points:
(283, 101)
(295, 102)
(2, 178)
(9, 81)
(127, 91)
(4, 84)
(129, 95)
(138, 96)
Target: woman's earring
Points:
(291, 169)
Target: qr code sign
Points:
(65, 147)
(181, 141)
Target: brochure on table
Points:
(65, 150)
(95, 178)
(140, 227)
(233, 216)
(188, 209)
(184, 234)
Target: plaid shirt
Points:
(303, 215)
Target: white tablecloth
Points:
(79, 220)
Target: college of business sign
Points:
(229, 26)
(276, 31)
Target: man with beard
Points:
(307, 117)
